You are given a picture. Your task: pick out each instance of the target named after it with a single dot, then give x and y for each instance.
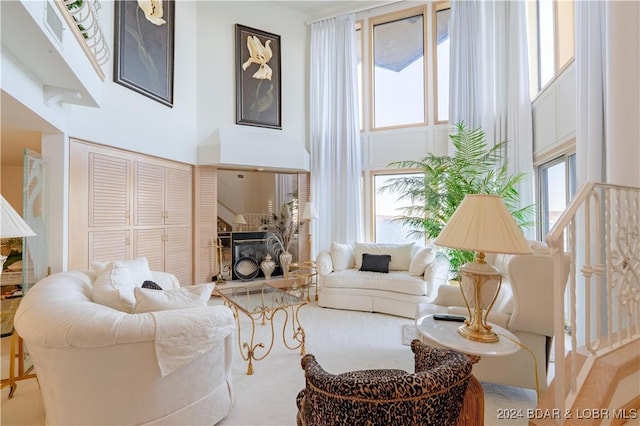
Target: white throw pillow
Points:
(421, 260)
(342, 256)
(116, 280)
(400, 254)
(113, 287)
(139, 269)
(195, 296)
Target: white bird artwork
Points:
(259, 54)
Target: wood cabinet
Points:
(125, 205)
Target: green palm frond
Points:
(436, 193)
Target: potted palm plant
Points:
(281, 237)
(475, 168)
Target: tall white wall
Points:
(623, 85)
(216, 109)
(12, 186)
(554, 110)
(126, 119)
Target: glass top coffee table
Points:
(261, 302)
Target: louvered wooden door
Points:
(205, 220)
(177, 252)
(149, 194)
(125, 205)
(177, 197)
(109, 208)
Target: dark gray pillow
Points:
(151, 285)
(375, 262)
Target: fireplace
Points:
(252, 245)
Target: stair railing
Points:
(600, 232)
(82, 16)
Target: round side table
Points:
(445, 333)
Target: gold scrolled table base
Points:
(262, 303)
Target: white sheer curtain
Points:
(336, 167)
(489, 78)
(590, 58)
(607, 92)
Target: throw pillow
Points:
(113, 287)
(139, 269)
(342, 256)
(116, 280)
(400, 253)
(421, 260)
(194, 296)
(151, 285)
(375, 262)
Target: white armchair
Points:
(524, 307)
(97, 365)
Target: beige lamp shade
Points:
(239, 220)
(310, 211)
(482, 223)
(12, 224)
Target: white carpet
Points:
(340, 341)
(408, 334)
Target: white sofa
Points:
(415, 273)
(524, 307)
(97, 365)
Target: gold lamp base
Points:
(477, 334)
(480, 286)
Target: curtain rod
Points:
(362, 9)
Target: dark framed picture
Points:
(258, 77)
(144, 43)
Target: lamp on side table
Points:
(481, 223)
(13, 226)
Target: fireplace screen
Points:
(250, 245)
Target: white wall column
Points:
(622, 114)
(55, 148)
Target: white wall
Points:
(623, 86)
(554, 114)
(11, 178)
(554, 110)
(126, 119)
(216, 74)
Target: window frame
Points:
(388, 18)
(568, 158)
(374, 193)
(437, 6)
(534, 55)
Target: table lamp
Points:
(239, 220)
(481, 223)
(12, 226)
(310, 213)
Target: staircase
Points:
(597, 378)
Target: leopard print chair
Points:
(433, 395)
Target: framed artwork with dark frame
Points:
(258, 78)
(144, 47)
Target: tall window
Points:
(554, 25)
(398, 69)
(442, 12)
(386, 208)
(557, 183)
